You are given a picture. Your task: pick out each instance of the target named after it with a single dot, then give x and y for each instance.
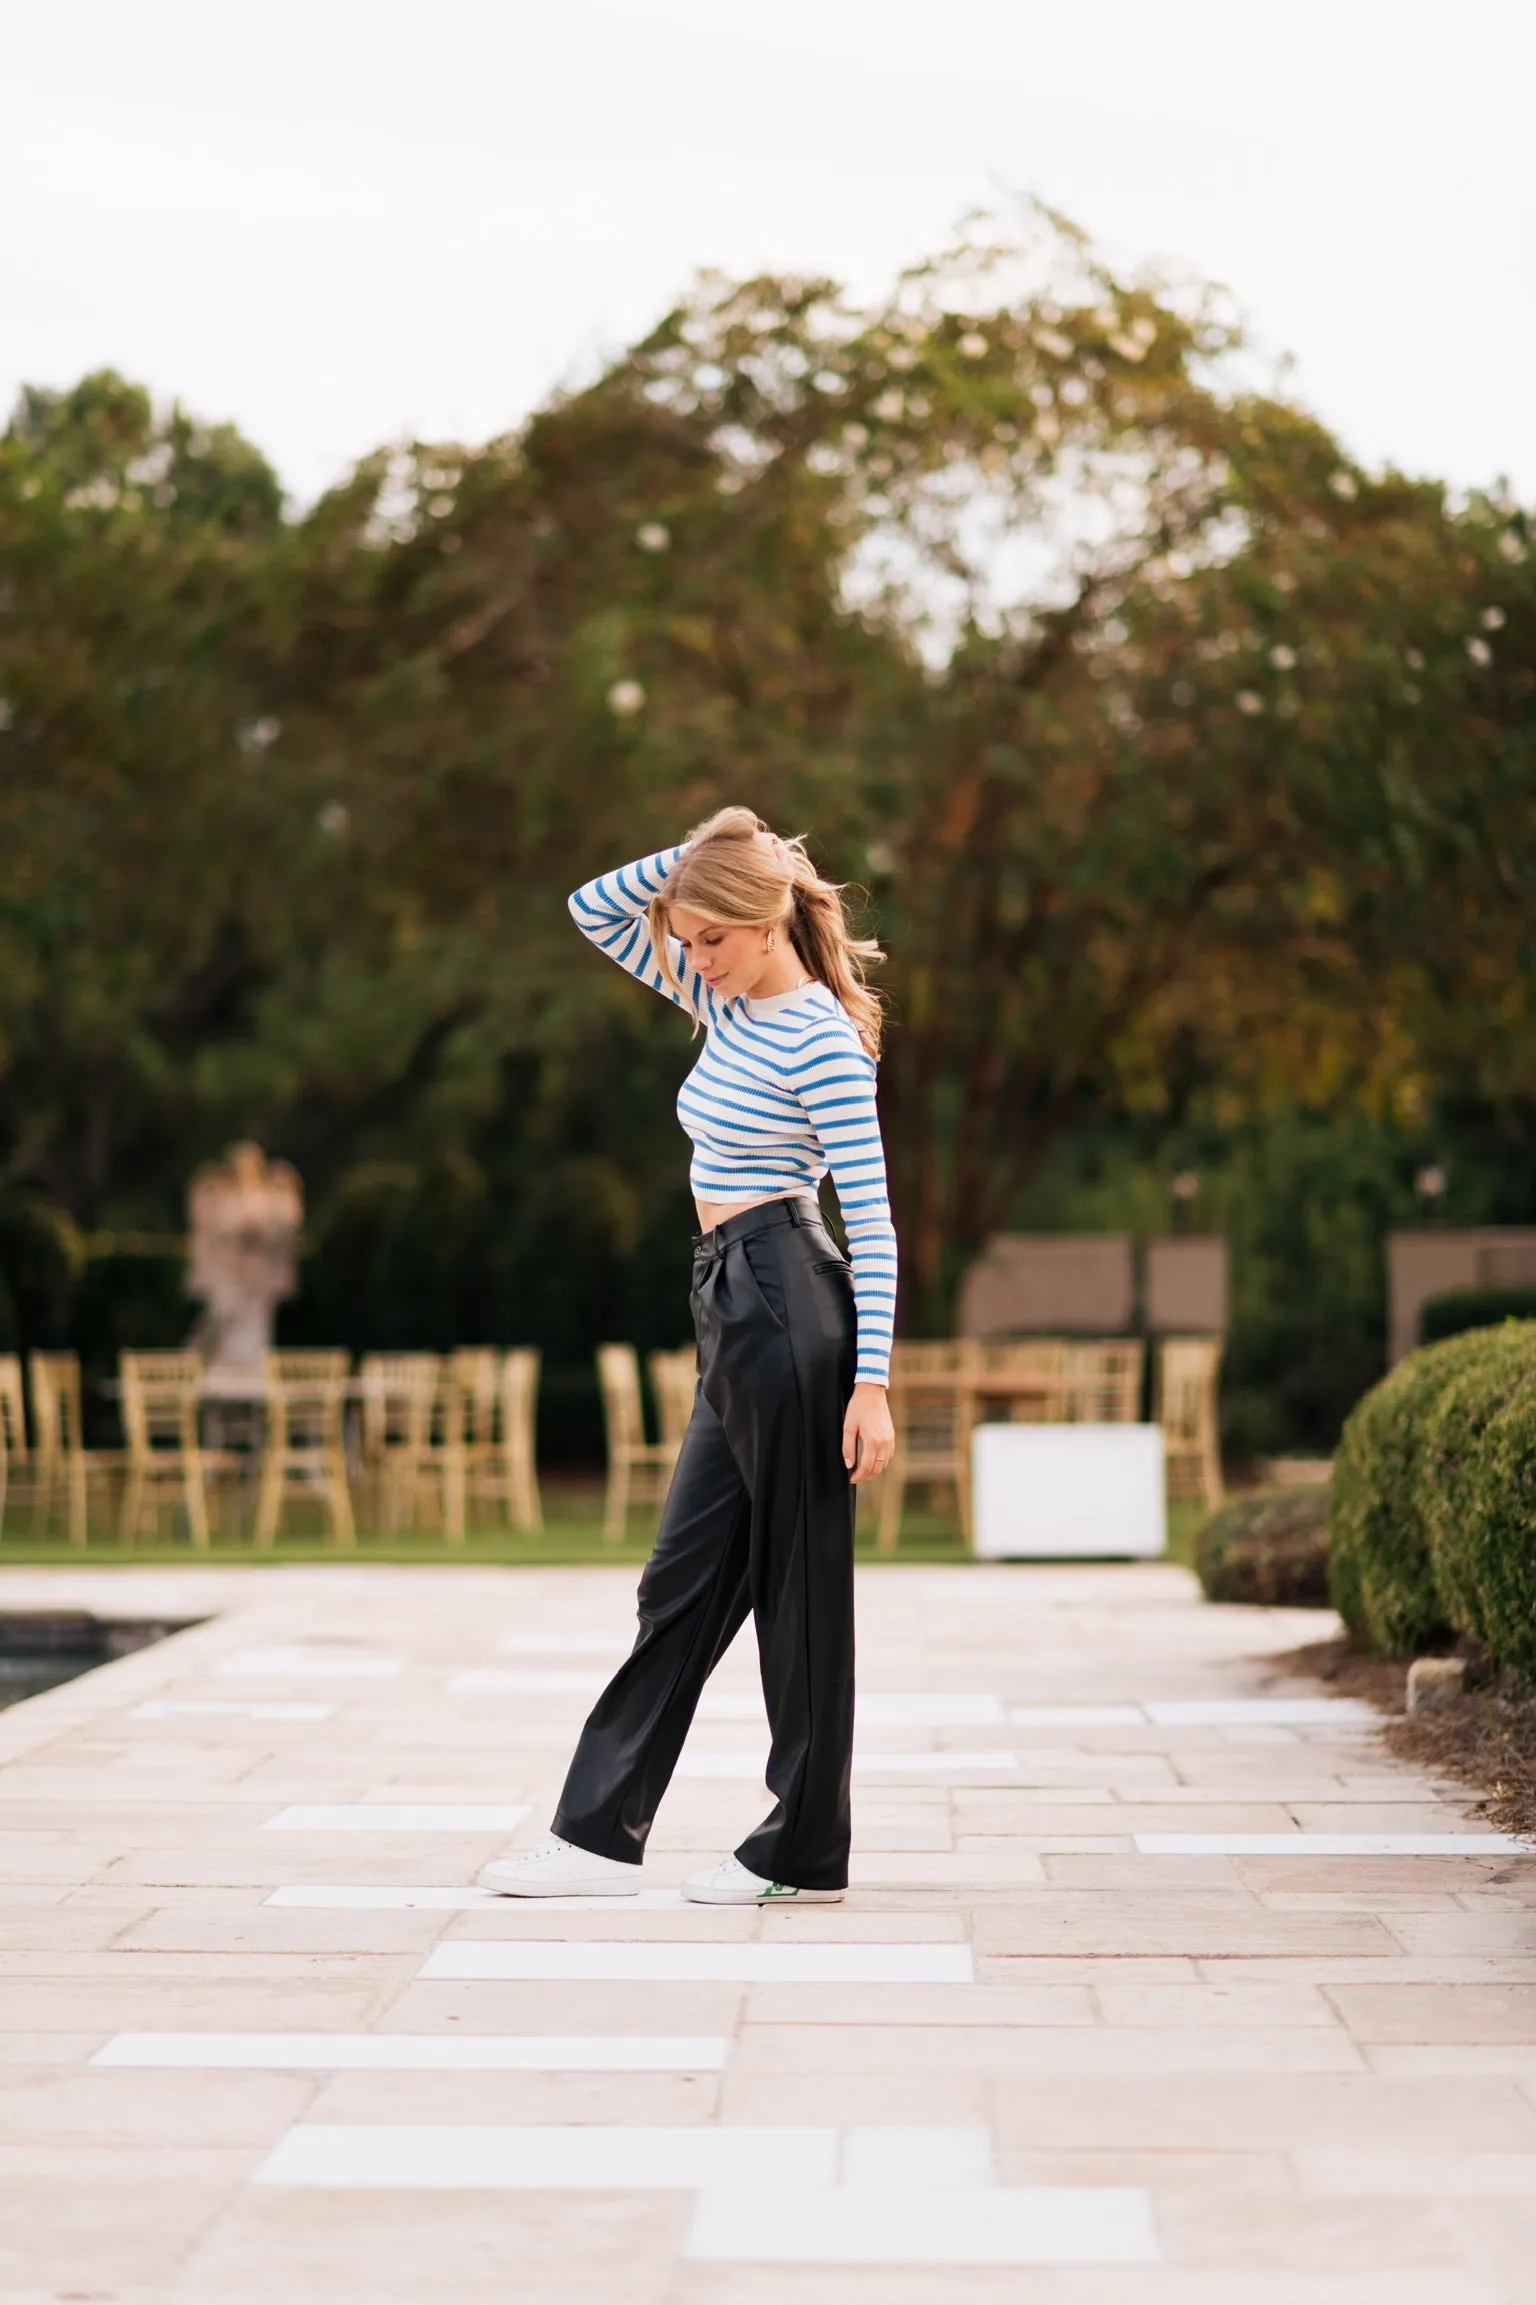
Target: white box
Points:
(1046, 1492)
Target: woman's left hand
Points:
(869, 1437)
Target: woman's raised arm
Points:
(611, 913)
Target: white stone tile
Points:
(731, 1705)
(700, 1963)
(520, 1681)
(399, 1817)
(1036, 2225)
(748, 1768)
(615, 1644)
(1330, 1845)
(392, 1897)
(770, 2163)
(954, 2158)
(923, 1709)
(302, 1664)
(1077, 1716)
(416, 2053)
(1274, 1712)
(231, 1709)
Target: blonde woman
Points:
(737, 928)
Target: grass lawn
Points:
(572, 1537)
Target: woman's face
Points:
(728, 959)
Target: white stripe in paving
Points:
(216, 1709)
(750, 1767)
(512, 1681)
(923, 1709)
(309, 1664)
(995, 2225)
(616, 1644)
(1273, 1712)
(1331, 1845)
(1201, 1713)
(536, 2158)
(767, 2195)
(654, 1963)
(388, 1897)
(399, 1817)
(1077, 1716)
(416, 2053)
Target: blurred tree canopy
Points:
(1187, 769)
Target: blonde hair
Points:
(740, 874)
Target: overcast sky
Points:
(341, 221)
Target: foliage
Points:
(1383, 1563)
(1268, 1546)
(1185, 765)
(1479, 1501)
(1460, 1309)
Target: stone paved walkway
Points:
(1160, 1983)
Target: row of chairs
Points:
(435, 1438)
(940, 1390)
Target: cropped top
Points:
(783, 1091)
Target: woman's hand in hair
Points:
(869, 1437)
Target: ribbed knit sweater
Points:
(783, 1091)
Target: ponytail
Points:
(738, 872)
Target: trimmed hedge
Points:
(1480, 1502)
(1268, 1547)
(1457, 1310)
(1415, 1468)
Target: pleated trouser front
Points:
(759, 1519)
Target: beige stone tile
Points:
(1517, 2059)
(914, 2098)
(1416, 2176)
(1458, 1931)
(1426, 1879)
(851, 1923)
(60, 2106)
(170, 2004)
(260, 1931)
(1289, 2111)
(89, 2217)
(1110, 1869)
(1048, 2049)
(1177, 2284)
(61, 1928)
(1429, 2013)
(540, 2006)
(1222, 2226)
(1218, 2003)
(916, 1869)
(536, 2249)
(513, 1918)
(664, 2099)
(911, 2006)
(1199, 1932)
(1391, 1969)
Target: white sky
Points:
(340, 221)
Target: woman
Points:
(736, 928)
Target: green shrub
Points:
(1480, 1499)
(1458, 1310)
(1270, 1547)
(1380, 1568)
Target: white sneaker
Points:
(729, 1883)
(559, 1869)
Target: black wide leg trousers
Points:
(759, 1517)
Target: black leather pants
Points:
(759, 1517)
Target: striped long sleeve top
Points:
(783, 1091)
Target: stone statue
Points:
(244, 1213)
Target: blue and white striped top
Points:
(784, 1090)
